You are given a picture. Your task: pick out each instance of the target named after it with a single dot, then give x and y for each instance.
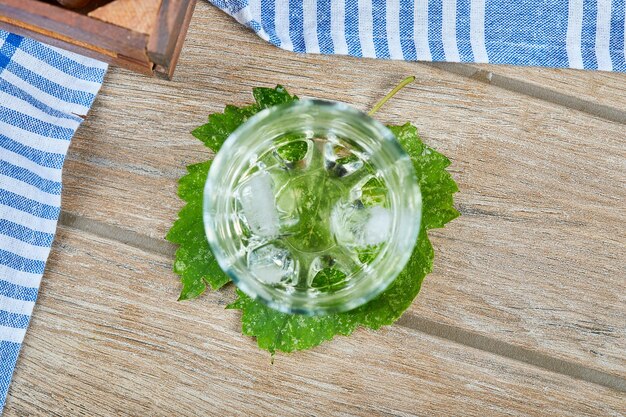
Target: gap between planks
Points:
(411, 321)
(533, 90)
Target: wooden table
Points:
(523, 314)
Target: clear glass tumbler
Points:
(312, 207)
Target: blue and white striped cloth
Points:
(585, 34)
(43, 93)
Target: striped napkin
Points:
(585, 34)
(43, 93)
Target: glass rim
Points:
(372, 281)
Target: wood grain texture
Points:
(172, 22)
(598, 87)
(536, 260)
(44, 21)
(82, 48)
(139, 16)
(165, 55)
(549, 90)
(141, 35)
(534, 265)
(107, 338)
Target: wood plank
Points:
(534, 260)
(49, 21)
(17, 27)
(165, 41)
(107, 338)
(164, 68)
(143, 36)
(554, 89)
(598, 87)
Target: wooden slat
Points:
(144, 36)
(598, 87)
(142, 67)
(108, 338)
(164, 68)
(47, 21)
(559, 86)
(172, 22)
(536, 260)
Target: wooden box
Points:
(142, 35)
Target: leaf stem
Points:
(403, 83)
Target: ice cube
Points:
(271, 264)
(358, 226)
(259, 206)
(377, 227)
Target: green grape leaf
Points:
(293, 151)
(221, 125)
(287, 332)
(329, 279)
(269, 97)
(194, 261)
(275, 331)
(374, 192)
(435, 182)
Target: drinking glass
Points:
(312, 207)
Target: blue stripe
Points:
(23, 95)
(17, 292)
(351, 26)
(27, 205)
(25, 234)
(523, 36)
(463, 41)
(45, 159)
(17, 321)
(616, 43)
(255, 26)
(34, 125)
(63, 93)
(230, 6)
(588, 38)
(19, 263)
(11, 42)
(324, 39)
(296, 26)
(407, 29)
(61, 62)
(434, 30)
(8, 357)
(268, 14)
(29, 177)
(379, 28)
